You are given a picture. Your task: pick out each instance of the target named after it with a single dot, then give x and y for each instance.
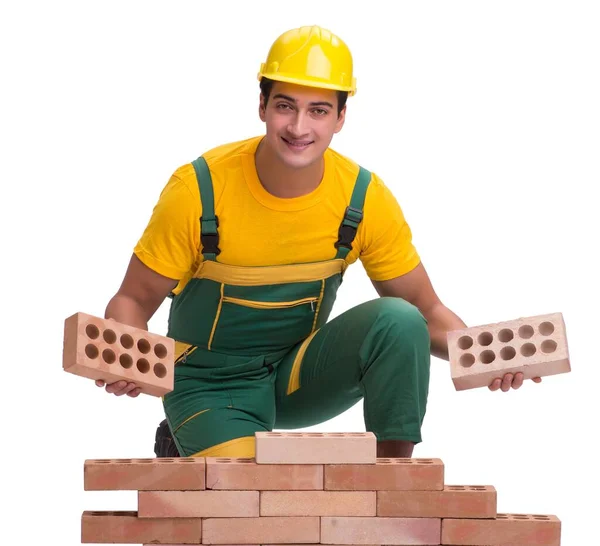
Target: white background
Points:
(483, 118)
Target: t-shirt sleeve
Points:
(387, 249)
(170, 242)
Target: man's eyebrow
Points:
(292, 99)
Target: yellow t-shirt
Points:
(259, 229)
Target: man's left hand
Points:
(510, 380)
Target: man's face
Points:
(300, 122)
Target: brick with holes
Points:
(316, 448)
(394, 474)
(105, 349)
(536, 346)
(246, 474)
(160, 474)
(454, 501)
(504, 530)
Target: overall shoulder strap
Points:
(209, 222)
(354, 214)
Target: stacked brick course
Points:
(304, 488)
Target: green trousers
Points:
(378, 351)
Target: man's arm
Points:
(416, 288)
(141, 293)
(139, 296)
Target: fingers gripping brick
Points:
(104, 349)
(536, 346)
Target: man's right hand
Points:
(119, 388)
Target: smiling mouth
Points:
(296, 143)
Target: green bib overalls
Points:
(254, 350)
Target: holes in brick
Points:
(108, 355)
(223, 460)
(355, 434)
(505, 335)
(274, 434)
(465, 342)
(295, 434)
(160, 370)
(122, 460)
(126, 341)
(144, 346)
(526, 331)
(485, 339)
(466, 360)
(424, 461)
(190, 459)
(501, 516)
(520, 516)
(103, 461)
(109, 336)
(314, 434)
(384, 461)
(245, 460)
(142, 460)
(160, 350)
(528, 349)
(546, 328)
(126, 361)
(487, 357)
(92, 331)
(337, 434)
(540, 517)
(165, 460)
(143, 365)
(548, 346)
(477, 488)
(91, 351)
(456, 488)
(507, 353)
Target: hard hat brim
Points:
(308, 82)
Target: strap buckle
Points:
(352, 218)
(209, 236)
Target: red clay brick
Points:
(536, 346)
(376, 530)
(274, 530)
(246, 474)
(505, 530)
(98, 348)
(184, 473)
(387, 475)
(316, 447)
(318, 503)
(455, 501)
(198, 504)
(124, 527)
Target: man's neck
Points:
(282, 181)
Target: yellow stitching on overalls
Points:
(268, 304)
(190, 418)
(212, 333)
(294, 382)
(318, 305)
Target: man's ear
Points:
(341, 119)
(262, 108)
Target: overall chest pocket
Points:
(265, 318)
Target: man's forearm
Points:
(441, 321)
(127, 311)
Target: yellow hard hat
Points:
(310, 56)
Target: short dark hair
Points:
(266, 85)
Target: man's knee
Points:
(402, 320)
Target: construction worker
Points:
(251, 241)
